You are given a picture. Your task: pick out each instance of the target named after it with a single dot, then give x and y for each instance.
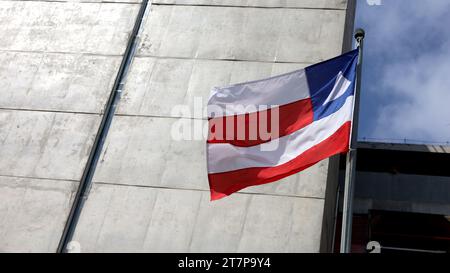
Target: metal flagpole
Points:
(350, 169)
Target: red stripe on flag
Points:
(224, 184)
(255, 128)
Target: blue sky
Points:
(406, 77)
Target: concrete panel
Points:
(330, 4)
(45, 145)
(155, 86)
(286, 224)
(131, 219)
(66, 27)
(33, 213)
(115, 218)
(141, 151)
(61, 82)
(174, 218)
(292, 35)
(80, 1)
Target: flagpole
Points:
(350, 169)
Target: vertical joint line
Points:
(109, 110)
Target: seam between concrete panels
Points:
(58, 52)
(96, 114)
(49, 111)
(73, 2)
(95, 152)
(220, 59)
(203, 190)
(40, 178)
(157, 116)
(245, 7)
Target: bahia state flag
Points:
(265, 130)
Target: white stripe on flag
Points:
(341, 85)
(278, 90)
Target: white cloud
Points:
(420, 108)
(409, 44)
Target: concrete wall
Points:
(150, 193)
(58, 61)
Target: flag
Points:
(265, 130)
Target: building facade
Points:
(401, 199)
(58, 64)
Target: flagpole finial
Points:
(359, 34)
